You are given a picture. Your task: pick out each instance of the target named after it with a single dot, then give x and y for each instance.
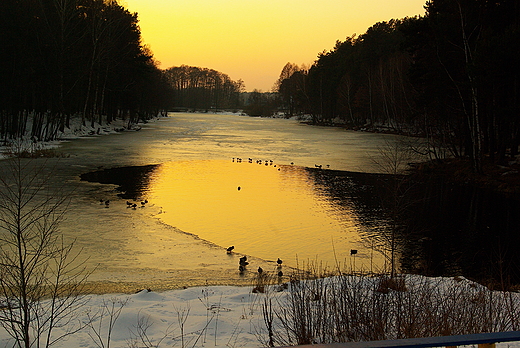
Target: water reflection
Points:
(268, 211)
(460, 229)
(132, 181)
(301, 214)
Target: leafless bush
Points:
(353, 308)
(101, 332)
(41, 279)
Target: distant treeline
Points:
(73, 58)
(452, 74)
(203, 89)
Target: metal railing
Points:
(483, 340)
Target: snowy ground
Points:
(194, 317)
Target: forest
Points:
(450, 75)
(74, 58)
(203, 89)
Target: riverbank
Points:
(499, 178)
(30, 148)
(231, 316)
(503, 178)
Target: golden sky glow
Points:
(253, 39)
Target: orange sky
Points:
(253, 39)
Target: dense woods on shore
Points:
(451, 75)
(203, 89)
(74, 58)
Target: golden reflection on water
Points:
(267, 211)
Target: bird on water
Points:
(230, 249)
(243, 261)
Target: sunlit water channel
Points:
(195, 208)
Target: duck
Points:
(230, 249)
(243, 261)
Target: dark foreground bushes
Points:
(354, 308)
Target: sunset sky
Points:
(253, 39)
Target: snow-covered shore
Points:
(75, 131)
(207, 316)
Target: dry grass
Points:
(360, 308)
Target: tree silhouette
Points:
(62, 58)
(203, 89)
(451, 75)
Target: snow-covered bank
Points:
(75, 131)
(212, 316)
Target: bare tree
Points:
(41, 278)
(393, 160)
(288, 70)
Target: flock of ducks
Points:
(250, 160)
(242, 263)
(129, 204)
(270, 162)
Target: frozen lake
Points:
(196, 210)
